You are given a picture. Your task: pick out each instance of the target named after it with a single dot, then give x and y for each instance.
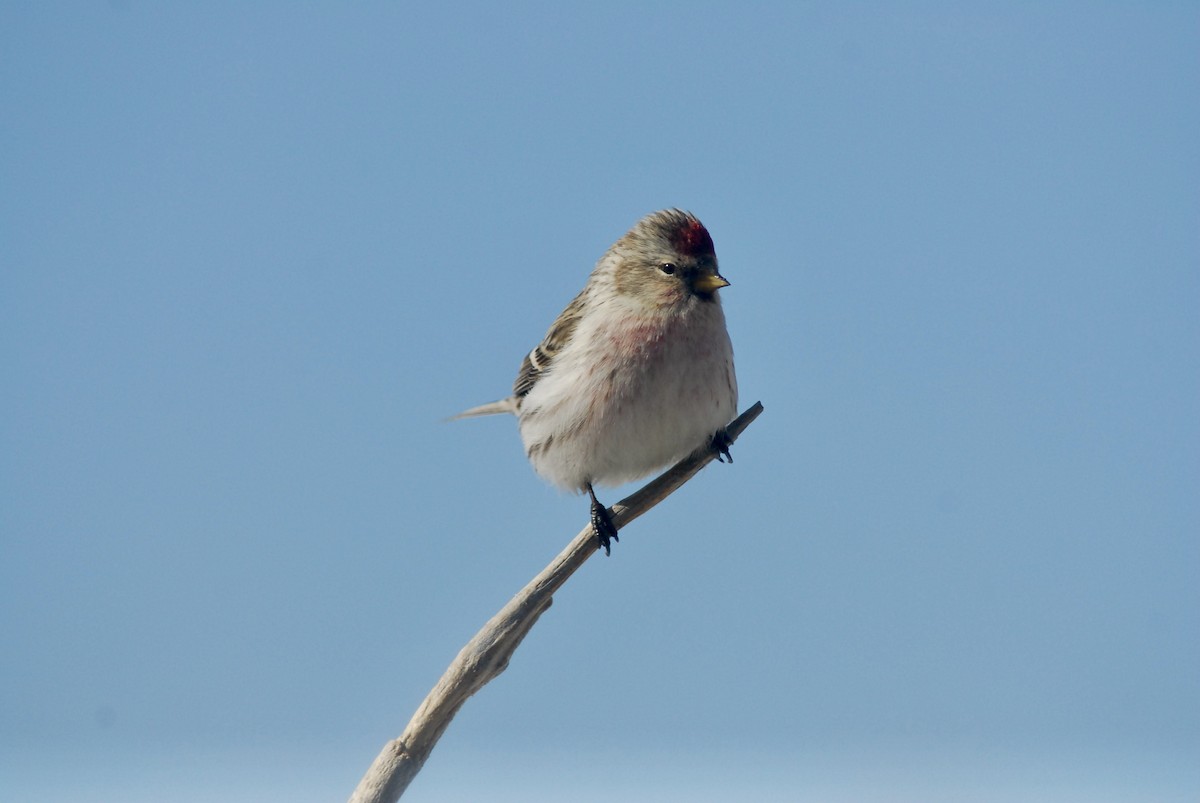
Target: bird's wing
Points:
(538, 362)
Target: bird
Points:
(636, 373)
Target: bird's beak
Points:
(708, 282)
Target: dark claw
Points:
(602, 524)
(720, 444)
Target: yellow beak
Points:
(709, 282)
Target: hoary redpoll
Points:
(637, 371)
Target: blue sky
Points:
(254, 254)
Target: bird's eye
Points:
(667, 268)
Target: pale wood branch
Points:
(487, 654)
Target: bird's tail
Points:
(508, 405)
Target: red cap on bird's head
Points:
(692, 239)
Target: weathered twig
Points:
(486, 655)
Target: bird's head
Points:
(668, 260)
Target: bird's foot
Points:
(720, 444)
(602, 524)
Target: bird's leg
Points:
(720, 444)
(602, 524)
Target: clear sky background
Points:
(253, 254)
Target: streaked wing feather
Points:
(538, 361)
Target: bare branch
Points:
(486, 655)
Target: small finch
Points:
(637, 371)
